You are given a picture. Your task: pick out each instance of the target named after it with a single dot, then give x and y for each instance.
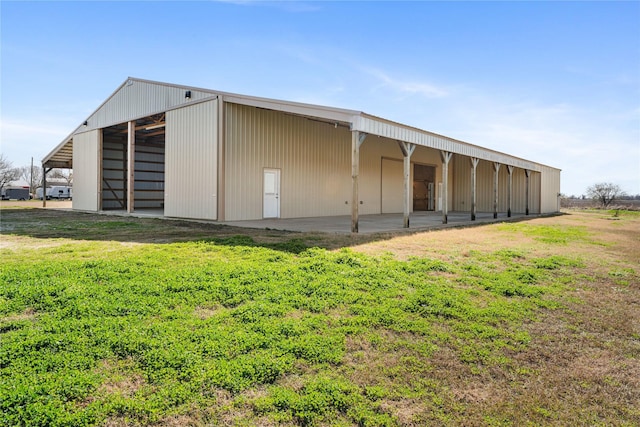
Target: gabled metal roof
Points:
(137, 98)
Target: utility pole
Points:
(31, 179)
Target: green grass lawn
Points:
(227, 331)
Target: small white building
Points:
(204, 154)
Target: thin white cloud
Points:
(407, 87)
(588, 146)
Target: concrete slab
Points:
(369, 224)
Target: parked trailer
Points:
(56, 192)
(15, 192)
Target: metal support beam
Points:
(357, 139)
(407, 149)
(474, 166)
(510, 189)
(446, 157)
(131, 164)
(527, 172)
(496, 172)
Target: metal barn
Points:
(195, 153)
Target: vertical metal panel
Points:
(392, 185)
(550, 190)
(86, 173)
(314, 157)
(535, 182)
(191, 162)
(461, 183)
(373, 153)
(519, 191)
(503, 189)
(484, 187)
(140, 99)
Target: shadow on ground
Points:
(65, 224)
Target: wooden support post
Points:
(527, 172)
(407, 149)
(474, 166)
(44, 186)
(496, 173)
(445, 156)
(510, 185)
(131, 164)
(357, 139)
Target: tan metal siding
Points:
(314, 159)
(191, 162)
(140, 99)
(374, 188)
(461, 183)
(535, 192)
(484, 187)
(392, 185)
(86, 170)
(550, 190)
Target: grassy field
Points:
(124, 321)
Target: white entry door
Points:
(271, 199)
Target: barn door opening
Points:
(423, 187)
(271, 199)
(146, 169)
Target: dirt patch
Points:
(585, 354)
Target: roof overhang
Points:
(62, 155)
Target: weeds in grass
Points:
(273, 312)
(99, 332)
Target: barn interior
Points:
(147, 158)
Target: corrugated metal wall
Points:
(86, 170)
(535, 192)
(191, 162)
(381, 184)
(315, 163)
(314, 159)
(392, 188)
(484, 187)
(140, 99)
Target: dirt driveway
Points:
(51, 204)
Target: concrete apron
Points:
(381, 223)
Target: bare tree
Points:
(64, 174)
(605, 193)
(7, 172)
(33, 175)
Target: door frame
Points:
(277, 183)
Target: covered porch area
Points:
(378, 223)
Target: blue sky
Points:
(553, 82)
